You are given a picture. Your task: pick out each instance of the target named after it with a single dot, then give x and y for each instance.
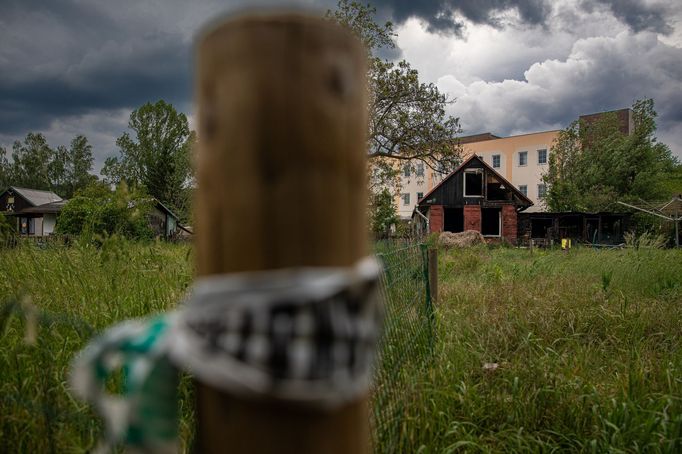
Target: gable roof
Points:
(36, 197)
(490, 169)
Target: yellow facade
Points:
(509, 150)
(526, 175)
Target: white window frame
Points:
(420, 197)
(546, 156)
(522, 191)
(521, 153)
(499, 161)
(464, 179)
(406, 198)
(544, 186)
(420, 169)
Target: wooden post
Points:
(282, 116)
(433, 274)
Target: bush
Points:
(100, 211)
(6, 230)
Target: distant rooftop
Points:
(37, 197)
(477, 138)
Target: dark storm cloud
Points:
(446, 15)
(637, 14)
(83, 60)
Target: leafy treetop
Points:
(593, 164)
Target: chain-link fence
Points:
(406, 346)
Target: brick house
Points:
(474, 197)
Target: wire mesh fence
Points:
(406, 346)
(37, 413)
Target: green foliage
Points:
(100, 211)
(6, 229)
(5, 181)
(593, 164)
(407, 118)
(382, 213)
(36, 165)
(31, 161)
(645, 240)
(157, 158)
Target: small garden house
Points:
(474, 197)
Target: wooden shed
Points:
(594, 228)
(34, 211)
(474, 197)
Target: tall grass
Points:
(581, 352)
(542, 351)
(53, 301)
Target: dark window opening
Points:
(592, 230)
(454, 220)
(570, 227)
(490, 221)
(496, 190)
(473, 184)
(611, 230)
(539, 228)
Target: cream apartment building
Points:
(521, 159)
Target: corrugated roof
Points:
(37, 197)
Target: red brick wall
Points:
(509, 223)
(472, 217)
(436, 218)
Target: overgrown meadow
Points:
(550, 351)
(538, 351)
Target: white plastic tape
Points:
(306, 335)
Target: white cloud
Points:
(518, 80)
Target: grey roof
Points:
(37, 197)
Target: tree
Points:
(4, 170)
(407, 119)
(383, 215)
(157, 158)
(79, 165)
(594, 164)
(36, 165)
(31, 162)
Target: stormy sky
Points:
(72, 67)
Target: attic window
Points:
(495, 189)
(473, 183)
